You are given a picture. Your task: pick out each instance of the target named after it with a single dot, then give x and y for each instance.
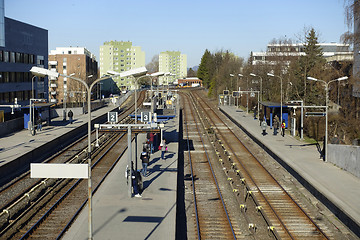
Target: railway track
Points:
(65, 195)
(285, 218)
(211, 214)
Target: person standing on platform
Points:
(145, 161)
(134, 180)
(275, 125)
(39, 122)
(70, 115)
(163, 148)
(283, 126)
(151, 140)
(263, 127)
(261, 116)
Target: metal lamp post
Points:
(152, 76)
(326, 84)
(254, 75)
(137, 72)
(45, 72)
(281, 98)
(31, 115)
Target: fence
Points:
(346, 157)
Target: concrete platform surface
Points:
(13, 146)
(339, 190)
(153, 216)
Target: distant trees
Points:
(312, 63)
(153, 66)
(215, 70)
(204, 69)
(191, 73)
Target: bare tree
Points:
(153, 66)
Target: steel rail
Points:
(254, 182)
(211, 168)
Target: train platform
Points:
(21, 148)
(337, 189)
(152, 216)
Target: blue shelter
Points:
(272, 109)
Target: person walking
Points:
(144, 156)
(163, 149)
(70, 115)
(255, 113)
(283, 126)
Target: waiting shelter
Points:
(272, 109)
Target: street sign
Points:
(315, 114)
(112, 117)
(145, 117)
(236, 94)
(58, 170)
(252, 94)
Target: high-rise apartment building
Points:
(22, 46)
(71, 60)
(173, 62)
(119, 57)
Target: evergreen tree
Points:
(203, 71)
(312, 62)
(191, 73)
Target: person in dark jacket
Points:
(70, 115)
(39, 122)
(145, 158)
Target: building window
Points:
(6, 56)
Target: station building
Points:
(71, 60)
(189, 82)
(22, 46)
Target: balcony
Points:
(54, 100)
(53, 85)
(53, 93)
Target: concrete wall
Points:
(346, 157)
(11, 126)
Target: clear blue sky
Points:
(240, 26)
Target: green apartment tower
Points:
(173, 62)
(119, 57)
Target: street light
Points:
(326, 106)
(136, 72)
(45, 72)
(254, 75)
(38, 72)
(272, 75)
(152, 76)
